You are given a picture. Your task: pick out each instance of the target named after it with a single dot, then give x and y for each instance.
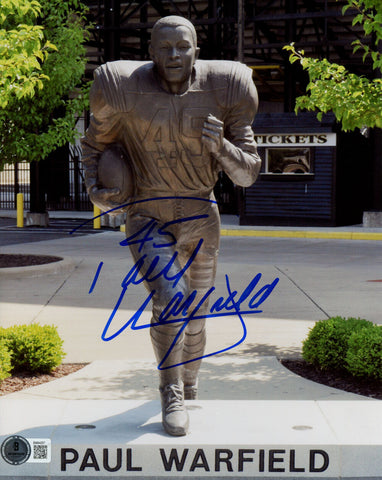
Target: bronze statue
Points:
(179, 121)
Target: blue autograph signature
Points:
(180, 308)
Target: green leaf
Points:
(42, 63)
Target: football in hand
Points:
(114, 171)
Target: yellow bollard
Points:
(96, 218)
(20, 210)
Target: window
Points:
(288, 161)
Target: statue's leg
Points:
(167, 337)
(201, 277)
(168, 341)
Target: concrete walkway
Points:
(58, 293)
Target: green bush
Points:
(327, 343)
(364, 355)
(5, 361)
(34, 347)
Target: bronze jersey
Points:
(161, 131)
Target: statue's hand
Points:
(103, 197)
(213, 134)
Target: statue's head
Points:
(174, 51)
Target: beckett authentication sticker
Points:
(15, 450)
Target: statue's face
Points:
(174, 53)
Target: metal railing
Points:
(15, 178)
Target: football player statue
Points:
(179, 121)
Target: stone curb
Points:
(309, 234)
(330, 235)
(62, 266)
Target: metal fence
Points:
(67, 174)
(14, 179)
(79, 199)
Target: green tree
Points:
(356, 101)
(21, 50)
(40, 115)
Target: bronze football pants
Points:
(180, 255)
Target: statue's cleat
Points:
(174, 414)
(190, 392)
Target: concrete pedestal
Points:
(113, 221)
(372, 219)
(228, 439)
(37, 219)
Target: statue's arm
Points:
(103, 130)
(232, 142)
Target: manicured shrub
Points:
(5, 361)
(327, 343)
(36, 348)
(364, 355)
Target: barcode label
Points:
(41, 450)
